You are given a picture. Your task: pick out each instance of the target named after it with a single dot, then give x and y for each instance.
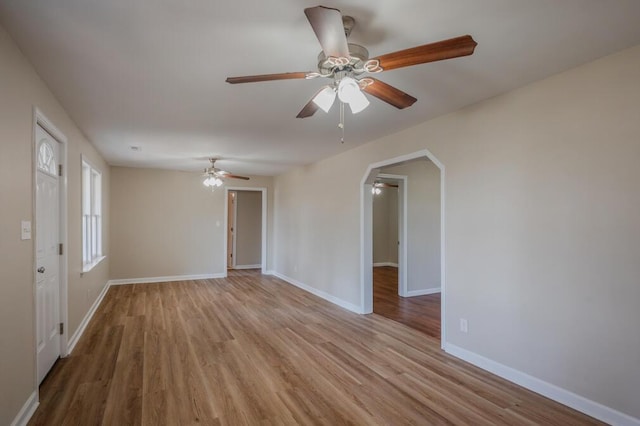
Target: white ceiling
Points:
(151, 73)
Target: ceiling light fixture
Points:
(348, 90)
(212, 182)
(325, 98)
(349, 93)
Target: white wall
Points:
(166, 223)
(20, 91)
(542, 230)
(423, 223)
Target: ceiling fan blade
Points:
(384, 185)
(445, 49)
(230, 176)
(310, 108)
(223, 174)
(327, 24)
(389, 94)
(266, 77)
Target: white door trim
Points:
(264, 223)
(402, 231)
(366, 233)
(39, 119)
(231, 264)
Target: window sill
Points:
(89, 266)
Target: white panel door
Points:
(47, 252)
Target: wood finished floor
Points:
(419, 312)
(251, 349)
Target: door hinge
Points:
(60, 249)
(60, 170)
(61, 328)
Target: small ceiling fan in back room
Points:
(347, 65)
(213, 176)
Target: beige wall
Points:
(385, 226)
(542, 230)
(423, 223)
(166, 223)
(248, 228)
(20, 91)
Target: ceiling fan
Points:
(214, 176)
(346, 63)
(377, 186)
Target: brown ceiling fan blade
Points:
(389, 94)
(266, 77)
(384, 185)
(223, 174)
(230, 176)
(309, 109)
(438, 51)
(327, 24)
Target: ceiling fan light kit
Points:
(212, 182)
(345, 63)
(349, 93)
(325, 98)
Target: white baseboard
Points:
(424, 292)
(269, 272)
(26, 411)
(326, 296)
(378, 264)
(166, 279)
(563, 396)
(85, 321)
(258, 266)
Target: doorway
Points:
(245, 224)
(389, 206)
(412, 291)
(50, 239)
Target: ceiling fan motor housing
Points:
(358, 56)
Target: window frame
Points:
(91, 214)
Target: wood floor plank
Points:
(253, 350)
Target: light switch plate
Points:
(25, 230)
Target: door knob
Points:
(41, 269)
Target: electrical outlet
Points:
(464, 325)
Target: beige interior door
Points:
(47, 252)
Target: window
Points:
(46, 158)
(91, 216)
